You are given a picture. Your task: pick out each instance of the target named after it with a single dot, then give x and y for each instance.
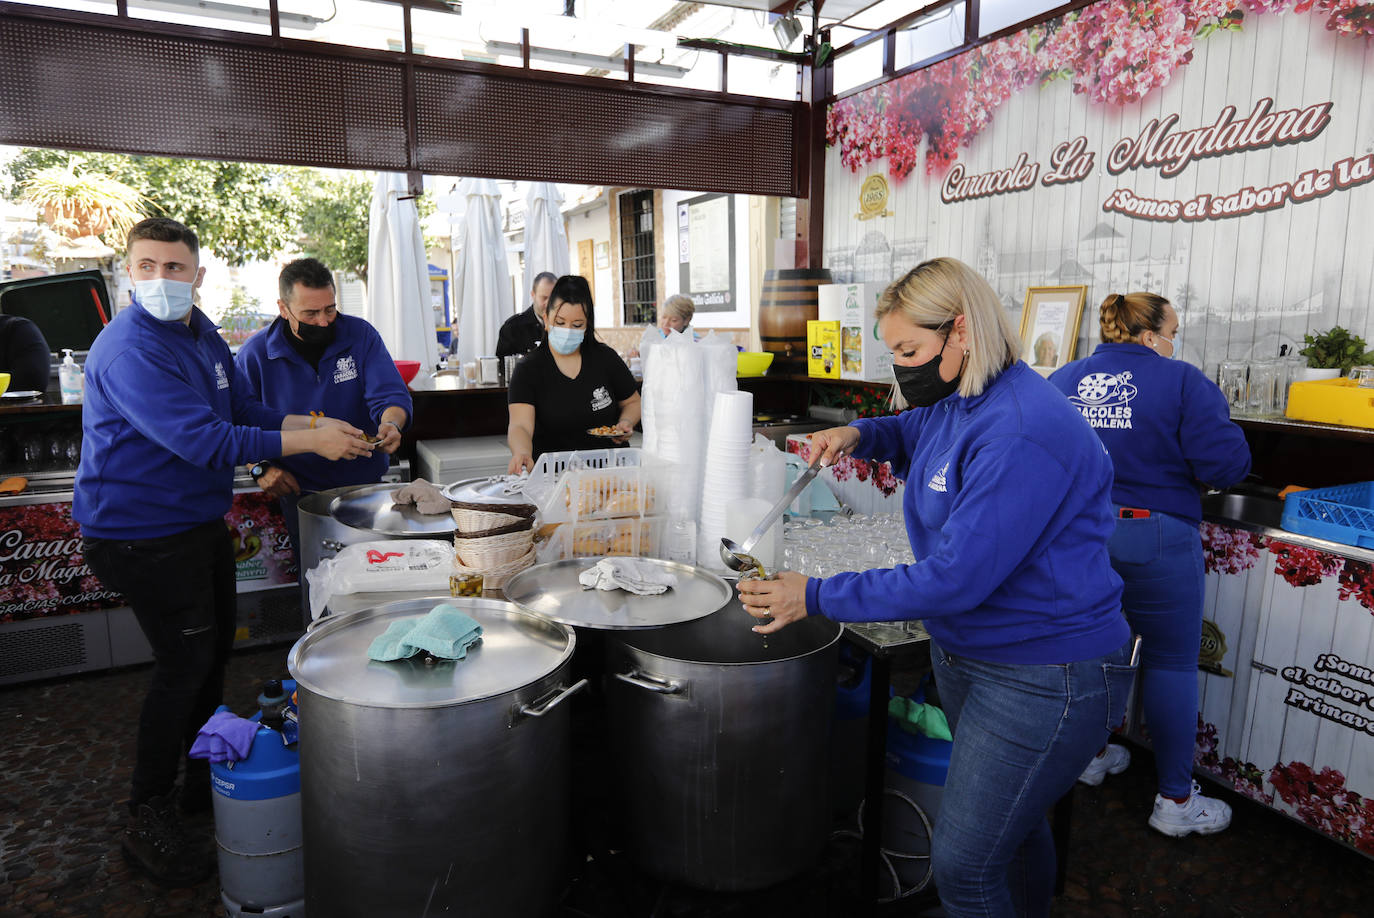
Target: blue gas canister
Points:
(258, 821)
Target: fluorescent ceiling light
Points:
(217, 10)
(580, 59)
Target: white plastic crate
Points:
(595, 485)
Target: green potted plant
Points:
(1331, 353)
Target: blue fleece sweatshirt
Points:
(1165, 424)
(357, 381)
(163, 425)
(1007, 509)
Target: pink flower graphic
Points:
(1115, 52)
(1229, 551)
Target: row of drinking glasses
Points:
(1259, 388)
(856, 543)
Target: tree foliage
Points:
(334, 219)
(241, 211)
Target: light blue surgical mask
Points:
(166, 300)
(566, 340)
(1173, 342)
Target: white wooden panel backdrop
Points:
(1244, 285)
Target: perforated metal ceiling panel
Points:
(78, 85)
(512, 127)
(82, 87)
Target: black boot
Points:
(154, 843)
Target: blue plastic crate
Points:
(1342, 514)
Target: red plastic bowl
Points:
(407, 369)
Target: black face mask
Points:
(921, 385)
(316, 335)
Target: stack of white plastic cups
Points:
(726, 477)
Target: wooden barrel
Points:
(787, 302)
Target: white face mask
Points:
(166, 300)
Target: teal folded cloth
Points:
(916, 717)
(444, 632)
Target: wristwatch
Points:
(259, 469)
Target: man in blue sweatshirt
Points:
(315, 359)
(163, 426)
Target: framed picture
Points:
(603, 254)
(1049, 326)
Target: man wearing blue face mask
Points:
(163, 427)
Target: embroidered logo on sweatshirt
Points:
(345, 369)
(1105, 399)
(937, 481)
(600, 398)
(221, 378)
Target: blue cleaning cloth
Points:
(224, 738)
(444, 632)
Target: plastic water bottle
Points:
(70, 379)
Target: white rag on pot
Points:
(636, 576)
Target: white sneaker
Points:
(1111, 761)
(1203, 815)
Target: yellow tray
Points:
(1332, 401)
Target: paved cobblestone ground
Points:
(66, 751)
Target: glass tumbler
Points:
(1363, 376)
(1232, 377)
(1266, 392)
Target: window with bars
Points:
(639, 292)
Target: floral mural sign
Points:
(1215, 152)
(1114, 53)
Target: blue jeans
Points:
(1159, 558)
(1022, 735)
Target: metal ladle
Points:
(734, 556)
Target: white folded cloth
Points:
(632, 574)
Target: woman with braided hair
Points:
(1168, 430)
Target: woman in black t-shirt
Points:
(569, 386)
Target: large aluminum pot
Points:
(435, 789)
(723, 739)
(322, 536)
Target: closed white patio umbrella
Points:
(481, 284)
(398, 296)
(546, 242)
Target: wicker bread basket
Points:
(474, 518)
(495, 577)
(486, 550)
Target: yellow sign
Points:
(873, 197)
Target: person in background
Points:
(572, 385)
(676, 314)
(1008, 512)
(24, 355)
(1167, 428)
(522, 332)
(313, 359)
(164, 423)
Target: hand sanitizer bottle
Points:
(70, 379)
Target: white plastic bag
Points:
(381, 567)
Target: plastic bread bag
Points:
(381, 567)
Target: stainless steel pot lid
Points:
(498, 489)
(371, 507)
(517, 649)
(552, 590)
